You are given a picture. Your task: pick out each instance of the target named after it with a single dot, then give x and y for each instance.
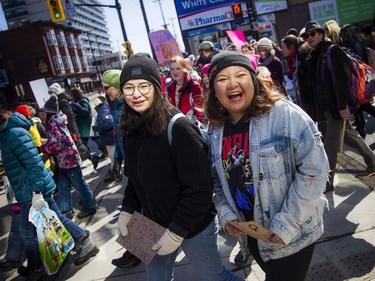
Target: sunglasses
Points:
(106, 88)
(307, 35)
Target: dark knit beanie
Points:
(141, 66)
(51, 105)
(23, 109)
(228, 57)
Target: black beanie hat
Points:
(51, 105)
(141, 66)
(230, 56)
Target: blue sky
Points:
(3, 23)
(135, 26)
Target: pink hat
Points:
(205, 68)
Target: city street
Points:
(345, 252)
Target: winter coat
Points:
(21, 160)
(116, 110)
(276, 69)
(83, 116)
(170, 184)
(322, 89)
(64, 106)
(60, 144)
(191, 97)
(104, 124)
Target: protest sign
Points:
(252, 229)
(143, 233)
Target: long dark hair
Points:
(264, 97)
(154, 120)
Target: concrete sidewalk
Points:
(345, 252)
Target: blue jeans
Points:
(74, 176)
(28, 231)
(202, 251)
(15, 250)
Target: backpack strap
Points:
(327, 61)
(170, 126)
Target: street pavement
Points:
(345, 251)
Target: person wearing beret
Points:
(270, 167)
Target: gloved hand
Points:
(122, 222)
(38, 201)
(168, 243)
(95, 128)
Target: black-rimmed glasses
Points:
(143, 88)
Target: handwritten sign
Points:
(143, 233)
(164, 45)
(252, 229)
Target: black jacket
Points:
(323, 89)
(170, 184)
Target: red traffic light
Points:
(237, 13)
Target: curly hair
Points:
(155, 119)
(265, 96)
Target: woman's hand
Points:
(275, 239)
(232, 231)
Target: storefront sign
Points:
(164, 44)
(204, 13)
(267, 6)
(353, 11)
(323, 11)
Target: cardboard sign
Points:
(143, 233)
(252, 229)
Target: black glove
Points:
(95, 128)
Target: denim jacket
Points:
(290, 170)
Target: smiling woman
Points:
(170, 183)
(261, 145)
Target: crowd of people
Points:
(265, 146)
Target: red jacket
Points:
(191, 97)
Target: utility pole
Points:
(252, 16)
(162, 14)
(117, 6)
(147, 28)
(174, 30)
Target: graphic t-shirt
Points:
(236, 163)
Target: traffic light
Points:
(128, 48)
(237, 13)
(56, 10)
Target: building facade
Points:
(71, 49)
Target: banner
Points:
(164, 45)
(323, 11)
(237, 37)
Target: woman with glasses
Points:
(170, 183)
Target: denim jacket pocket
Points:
(272, 163)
